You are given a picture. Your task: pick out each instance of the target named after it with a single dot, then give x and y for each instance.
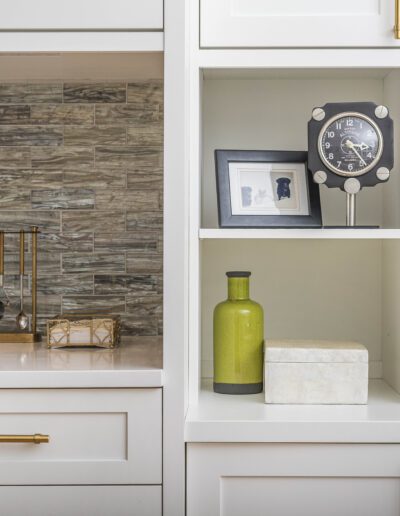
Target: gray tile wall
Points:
(84, 163)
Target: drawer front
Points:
(80, 500)
(50, 14)
(96, 436)
(298, 479)
(297, 23)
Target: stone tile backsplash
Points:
(83, 161)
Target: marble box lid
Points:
(308, 351)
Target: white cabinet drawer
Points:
(97, 436)
(297, 23)
(80, 500)
(293, 479)
(75, 14)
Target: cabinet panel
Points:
(47, 14)
(309, 496)
(102, 436)
(79, 500)
(301, 479)
(297, 23)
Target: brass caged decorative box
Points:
(97, 331)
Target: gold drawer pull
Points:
(34, 439)
(397, 20)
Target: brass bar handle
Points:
(33, 439)
(397, 20)
(22, 252)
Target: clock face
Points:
(350, 144)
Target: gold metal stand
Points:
(34, 278)
(30, 336)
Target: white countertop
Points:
(227, 418)
(136, 363)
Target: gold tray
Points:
(84, 330)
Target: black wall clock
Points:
(350, 145)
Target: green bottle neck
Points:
(238, 288)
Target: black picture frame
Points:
(226, 219)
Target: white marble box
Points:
(315, 372)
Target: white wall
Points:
(391, 313)
(391, 249)
(328, 289)
(391, 204)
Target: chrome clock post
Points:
(351, 210)
(351, 186)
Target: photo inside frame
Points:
(268, 188)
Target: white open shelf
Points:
(329, 61)
(224, 418)
(323, 233)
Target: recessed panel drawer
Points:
(293, 479)
(96, 436)
(80, 500)
(296, 23)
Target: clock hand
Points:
(362, 146)
(351, 146)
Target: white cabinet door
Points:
(78, 14)
(80, 500)
(96, 436)
(293, 479)
(297, 23)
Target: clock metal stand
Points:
(350, 210)
(350, 145)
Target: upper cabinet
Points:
(81, 15)
(297, 23)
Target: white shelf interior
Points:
(309, 289)
(340, 289)
(270, 109)
(340, 284)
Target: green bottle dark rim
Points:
(238, 274)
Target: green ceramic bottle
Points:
(238, 340)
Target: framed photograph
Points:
(266, 189)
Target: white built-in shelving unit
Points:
(328, 283)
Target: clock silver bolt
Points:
(318, 114)
(381, 112)
(320, 177)
(383, 173)
(352, 185)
